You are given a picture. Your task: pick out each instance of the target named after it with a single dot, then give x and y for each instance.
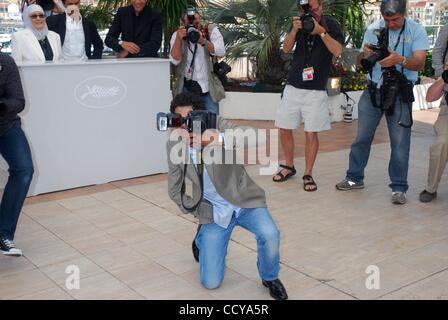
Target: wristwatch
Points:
(204, 43)
(120, 42)
(405, 60)
(323, 35)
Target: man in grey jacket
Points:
(223, 197)
(438, 152)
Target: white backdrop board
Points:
(94, 122)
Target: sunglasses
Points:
(35, 16)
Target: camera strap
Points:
(200, 171)
(399, 40)
(193, 59)
(310, 40)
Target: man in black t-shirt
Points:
(305, 97)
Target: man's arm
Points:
(435, 91)
(216, 44)
(439, 50)
(114, 33)
(333, 45)
(96, 41)
(290, 39)
(420, 44)
(13, 100)
(176, 45)
(150, 48)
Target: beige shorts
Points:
(309, 106)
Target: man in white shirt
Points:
(193, 61)
(78, 34)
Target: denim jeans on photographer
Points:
(212, 241)
(400, 141)
(15, 150)
(209, 104)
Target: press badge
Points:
(308, 74)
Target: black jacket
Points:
(57, 24)
(148, 35)
(12, 100)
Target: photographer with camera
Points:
(438, 152)
(194, 50)
(318, 39)
(223, 195)
(394, 50)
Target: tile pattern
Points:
(130, 242)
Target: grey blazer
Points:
(439, 49)
(231, 181)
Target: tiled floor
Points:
(130, 242)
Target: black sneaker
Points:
(8, 248)
(426, 196)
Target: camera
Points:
(196, 121)
(445, 76)
(193, 33)
(307, 16)
(380, 50)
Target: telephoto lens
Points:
(307, 17)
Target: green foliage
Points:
(102, 17)
(428, 71)
(354, 80)
(256, 29)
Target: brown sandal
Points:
(283, 177)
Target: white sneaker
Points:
(398, 197)
(8, 248)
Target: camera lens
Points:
(308, 24)
(369, 62)
(193, 35)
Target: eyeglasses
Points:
(35, 16)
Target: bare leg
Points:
(287, 141)
(311, 149)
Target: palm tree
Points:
(256, 29)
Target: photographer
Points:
(439, 150)
(224, 196)
(318, 39)
(391, 78)
(191, 52)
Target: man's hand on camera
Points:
(296, 24)
(318, 29)
(367, 50)
(393, 59)
(181, 33)
(210, 137)
(130, 47)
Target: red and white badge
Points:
(308, 74)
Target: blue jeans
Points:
(400, 142)
(15, 150)
(212, 241)
(209, 104)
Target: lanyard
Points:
(310, 40)
(399, 40)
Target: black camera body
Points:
(395, 84)
(306, 17)
(380, 50)
(196, 121)
(193, 33)
(445, 76)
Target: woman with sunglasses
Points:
(35, 43)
